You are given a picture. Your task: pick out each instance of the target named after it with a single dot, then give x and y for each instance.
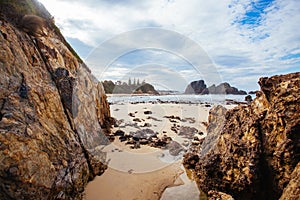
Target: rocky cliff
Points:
(199, 87)
(252, 152)
(53, 112)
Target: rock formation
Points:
(53, 112)
(195, 87)
(124, 88)
(252, 152)
(223, 88)
(199, 87)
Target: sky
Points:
(170, 43)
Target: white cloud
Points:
(238, 50)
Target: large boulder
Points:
(251, 151)
(49, 129)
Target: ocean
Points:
(211, 99)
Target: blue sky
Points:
(243, 39)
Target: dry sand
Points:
(146, 172)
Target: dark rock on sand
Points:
(131, 114)
(137, 120)
(147, 112)
(119, 133)
(174, 148)
(253, 151)
(187, 132)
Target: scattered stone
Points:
(173, 121)
(147, 125)
(147, 112)
(131, 114)
(137, 120)
(174, 129)
(119, 133)
(172, 117)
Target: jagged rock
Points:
(292, 190)
(216, 195)
(195, 87)
(199, 87)
(223, 88)
(48, 128)
(251, 151)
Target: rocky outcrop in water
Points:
(223, 88)
(53, 112)
(251, 152)
(195, 87)
(199, 87)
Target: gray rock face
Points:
(53, 113)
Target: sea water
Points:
(211, 99)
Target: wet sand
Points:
(146, 172)
(116, 185)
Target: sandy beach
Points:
(145, 172)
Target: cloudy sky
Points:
(172, 42)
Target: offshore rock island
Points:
(199, 87)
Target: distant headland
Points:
(131, 87)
